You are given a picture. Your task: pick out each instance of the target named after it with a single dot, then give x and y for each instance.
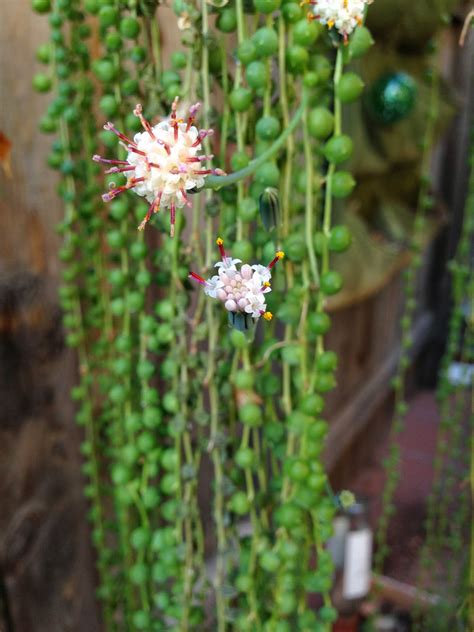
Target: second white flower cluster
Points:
(241, 289)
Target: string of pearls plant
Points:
(392, 462)
(209, 502)
(448, 522)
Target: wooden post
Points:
(47, 572)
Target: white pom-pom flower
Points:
(163, 162)
(344, 15)
(241, 289)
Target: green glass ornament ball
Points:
(392, 98)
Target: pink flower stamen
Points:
(196, 277)
(206, 172)
(279, 255)
(138, 111)
(136, 151)
(200, 158)
(201, 136)
(165, 145)
(174, 122)
(172, 218)
(111, 195)
(185, 197)
(192, 115)
(154, 208)
(119, 169)
(156, 202)
(106, 161)
(174, 107)
(220, 245)
(110, 128)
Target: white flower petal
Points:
(229, 265)
(263, 272)
(212, 286)
(345, 15)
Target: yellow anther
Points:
(266, 284)
(219, 241)
(268, 315)
(280, 254)
(331, 23)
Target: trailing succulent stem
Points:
(202, 410)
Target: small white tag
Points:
(357, 564)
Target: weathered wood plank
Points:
(353, 419)
(46, 562)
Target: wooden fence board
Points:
(46, 565)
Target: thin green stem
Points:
(221, 605)
(85, 376)
(326, 627)
(156, 45)
(286, 122)
(332, 167)
(393, 462)
(232, 178)
(309, 204)
(239, 117)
